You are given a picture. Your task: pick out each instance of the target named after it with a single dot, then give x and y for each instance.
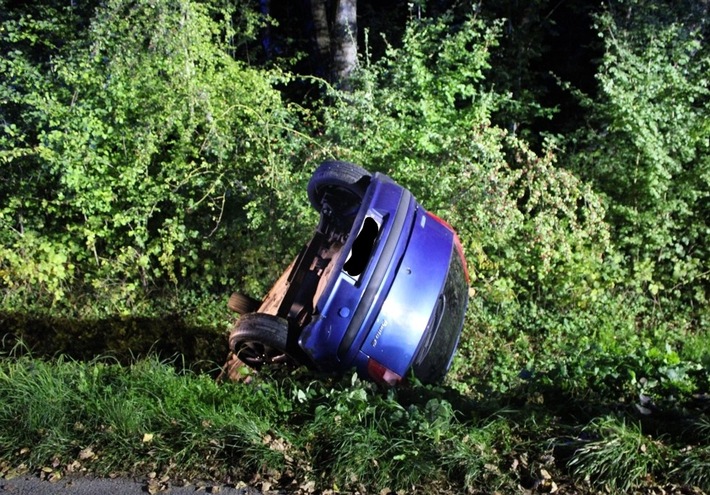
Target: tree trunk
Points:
(344, 42)
(319, 14)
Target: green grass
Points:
(617, 456)
(301, 432)
(134, 419)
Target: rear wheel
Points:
(260, 339)
(341, 185)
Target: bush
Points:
(646, 148)
(141, 156)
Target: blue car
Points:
(381, 287)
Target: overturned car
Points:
(382, 287)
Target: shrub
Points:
(646, 146)
(140, 155)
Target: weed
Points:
(617, 456)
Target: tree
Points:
(336, 40)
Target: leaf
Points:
(148, 437)
(153, 487)
(87, 453)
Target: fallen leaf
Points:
(154, 486)
(309, 487)
(148, 437)
(86, 453)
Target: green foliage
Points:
(618, 458)
(647, 147)
(400, 447)
(141, 155)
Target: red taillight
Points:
(381, 374)
(457, 243)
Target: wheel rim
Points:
(257, 354)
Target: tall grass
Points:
(304, 432)
(133, 419)
(618, 456)
(693, 462)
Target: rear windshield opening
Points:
(362, 248)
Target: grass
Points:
(616, 456)
(140, 418)
(303, 433)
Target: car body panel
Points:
(396, 334)
(351, 302)
(383, 312)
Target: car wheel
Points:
(341, 185)
(239, 303)
(260, 339)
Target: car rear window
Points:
(447, 319)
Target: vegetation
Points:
(154, 160)
(308, 433)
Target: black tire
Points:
(345, 184)
(239, 303)
(260, 339)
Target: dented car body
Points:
(381, 287)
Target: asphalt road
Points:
(29, 485)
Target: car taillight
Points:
(381, 374)
(457, 243)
